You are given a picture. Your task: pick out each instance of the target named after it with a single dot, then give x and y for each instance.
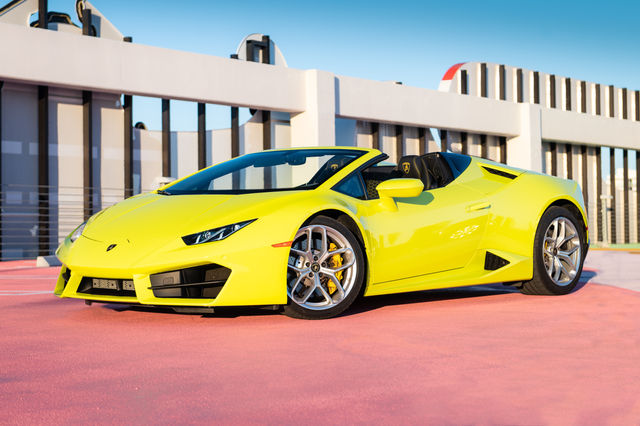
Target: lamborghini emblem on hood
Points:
(406, 167)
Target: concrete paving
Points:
(620, 268)
(479, 355)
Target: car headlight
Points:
(215, 234)
(77, 232)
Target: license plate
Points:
(105, 284)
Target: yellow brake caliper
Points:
(335, 261)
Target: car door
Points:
(440, 230)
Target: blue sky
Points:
(409, 41)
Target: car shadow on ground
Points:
(377, 302)
(362, 305)
(585, 277)
(220, 312)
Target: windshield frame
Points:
(312, 152)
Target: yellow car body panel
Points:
(437, 239)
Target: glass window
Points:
(267, 171)
(351, 186)
(457, 162)
(375, 175)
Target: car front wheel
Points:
(325, 270)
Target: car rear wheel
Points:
(558, 256)
(325, 270)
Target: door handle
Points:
(478, 206)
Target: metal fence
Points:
(35, 219)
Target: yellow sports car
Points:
(308, 230)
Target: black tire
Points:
(542, 283)
(296, 310)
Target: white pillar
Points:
(525, 150)
(454, 141)
(363, 134)
(592, 208)
(411, 141)
(473, 145)
(493, 148)
(316, 125)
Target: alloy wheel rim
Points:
(561, 251)
(314, 279)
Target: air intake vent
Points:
(200, 282)
(500, 173)
(66, 276)
(493, 262)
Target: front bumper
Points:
(256, 273)
(199, 286)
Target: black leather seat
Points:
(412, 166)
(438, 169)
(329, 168)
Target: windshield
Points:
(267, 171)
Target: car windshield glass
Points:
(267, 171)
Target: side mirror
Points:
(400, 188)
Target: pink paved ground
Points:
(473, 356)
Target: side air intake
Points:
(499, 172)
(493, 262)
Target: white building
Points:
(69, 147)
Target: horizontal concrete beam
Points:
(414, 106)
(572, 127)
(37, 56)
(88, 63)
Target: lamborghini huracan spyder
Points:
(309, 230)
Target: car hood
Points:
(153, 218)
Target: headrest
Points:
(329, 168)
(411, 166)
(336, 163)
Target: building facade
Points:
(70, 147)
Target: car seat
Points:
(412, 166)
(438, 169)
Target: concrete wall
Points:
(317, 108)
(20, 161)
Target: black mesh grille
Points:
(200, 282)
(493, 262)
(372, 193)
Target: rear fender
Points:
(517, 210)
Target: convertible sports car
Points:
(308, 230)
